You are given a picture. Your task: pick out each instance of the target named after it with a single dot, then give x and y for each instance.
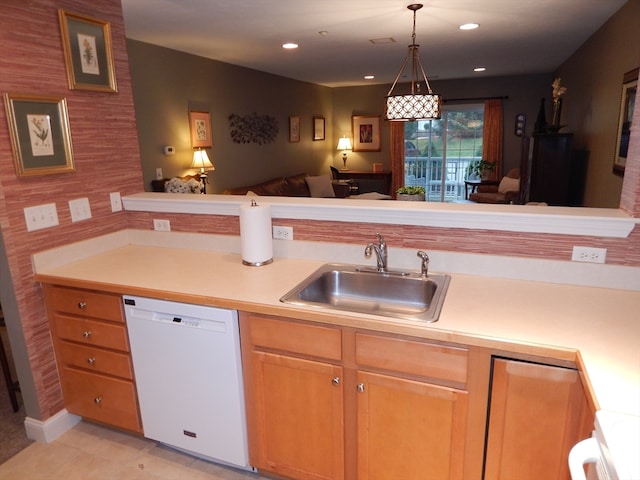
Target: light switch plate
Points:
(80, 209)
(41, 216)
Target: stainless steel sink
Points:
(403, 295)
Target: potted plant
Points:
(415, 194)
(480, 169)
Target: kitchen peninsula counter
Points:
(596, 328)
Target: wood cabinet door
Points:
(298, 409)
(534, 419)
(409, 430)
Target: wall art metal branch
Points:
(253, 128)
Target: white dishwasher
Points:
(186, 360)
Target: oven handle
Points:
(586, 451)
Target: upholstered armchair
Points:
(507, 191)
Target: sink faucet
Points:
(424, 271)
(381, 253)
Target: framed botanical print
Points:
(40, 134)
(88, 53)
(200, 127)
(318, 128)
(294, 129)
(627, 106)
(365, 130)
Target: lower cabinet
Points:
(325, 403)
(409, 429)
(93, 356)
(537, 413)
(298, 408)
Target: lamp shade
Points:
(201, 161)
(410, 107)
(344, 143)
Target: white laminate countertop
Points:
(528, 317)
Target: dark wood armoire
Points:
(551, 171)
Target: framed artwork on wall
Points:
(40, 134)
(88, 53)
(365, 130)
(294, 129)
(200, 127)
(627, 105)
(318, 128)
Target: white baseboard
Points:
(50, 429)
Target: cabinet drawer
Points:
(91, 332)
(107, 400)
(86, 303)
(417, 358)
(95, 359)
(296, 337)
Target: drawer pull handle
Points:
(360, 387)
(82, 305)
(91, 360)
(86, 333)
(335, 380)
(97, 400)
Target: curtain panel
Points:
(396, 136)
(492, 135)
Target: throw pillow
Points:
(509, 185)
(320, 186)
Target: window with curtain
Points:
(438, 153)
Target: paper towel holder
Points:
(260, 263)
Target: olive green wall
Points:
(593, 77)
(167, 84)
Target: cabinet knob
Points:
(86, 333)
(335, 380)
(97, 400)
(91, 360)
(82, 305)
(360, 387)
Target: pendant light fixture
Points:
(415, 105)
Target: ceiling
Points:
(515, 36)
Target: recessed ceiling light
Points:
(469, 26)
(369, 77)
(289, 46)
(479, 69)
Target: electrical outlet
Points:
(116, 201)
(589, 254)
(161, 225)
(80, 209)
(159, 174)
(283, 233)
(41, 216)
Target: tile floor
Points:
(92, 452)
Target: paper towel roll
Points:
(256, 244)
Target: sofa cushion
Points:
(508, 184)
(297, 186)
(320, 186)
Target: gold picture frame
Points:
(200, 127)
(627, 104)
(365, 131)
(40, 134)
(88, 53)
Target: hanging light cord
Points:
(415, 59)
